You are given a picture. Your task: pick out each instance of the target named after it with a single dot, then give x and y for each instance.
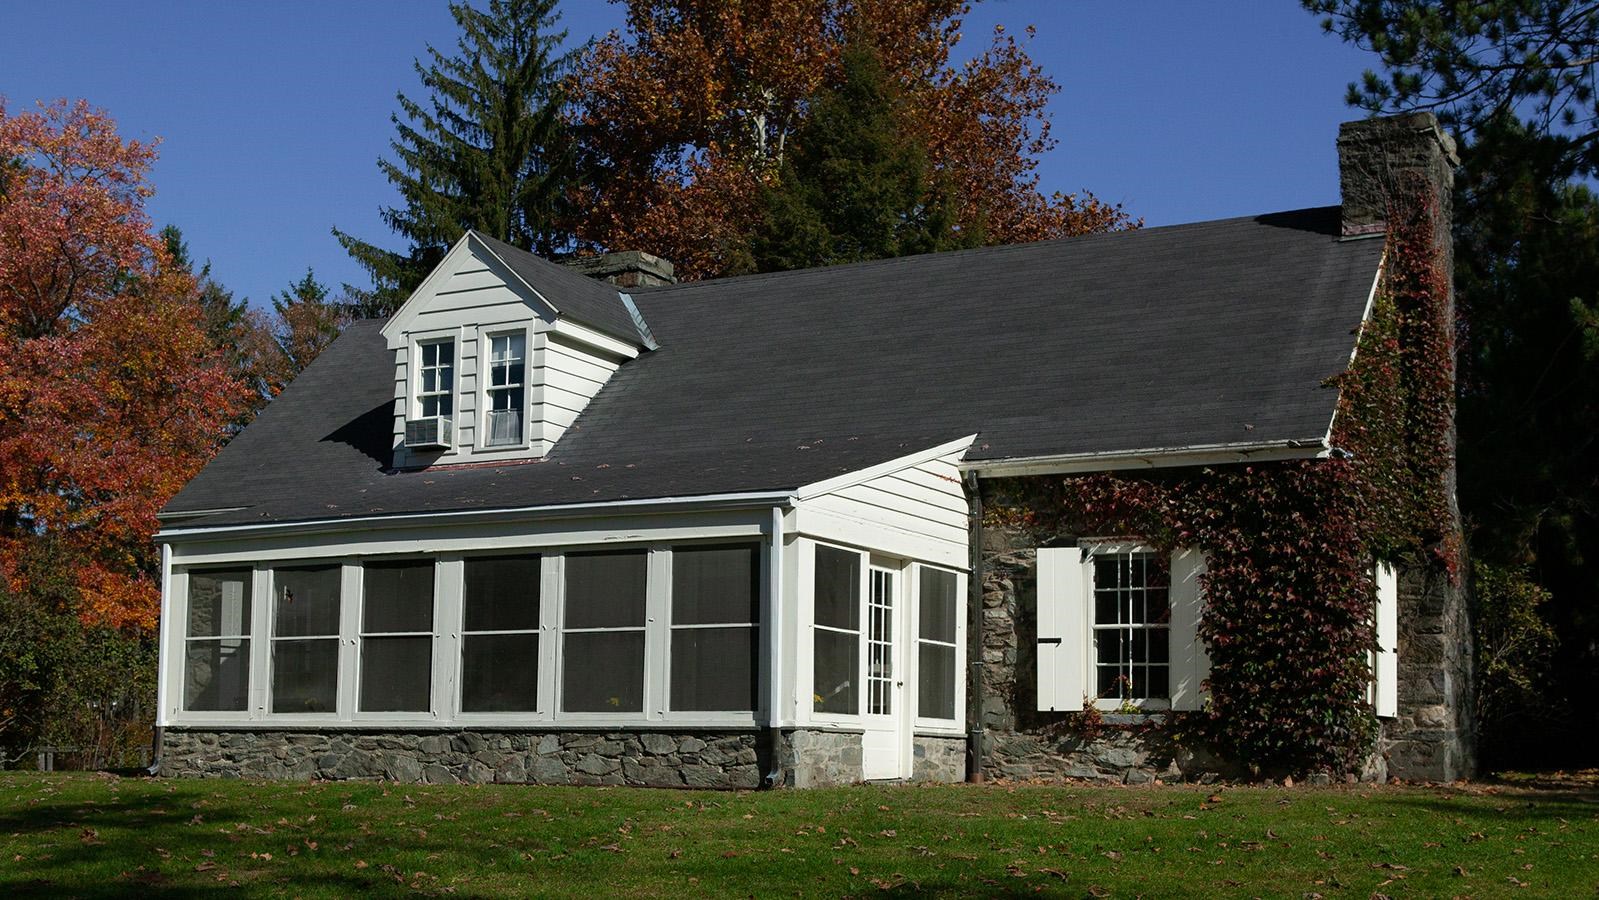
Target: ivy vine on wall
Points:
(1290, 545)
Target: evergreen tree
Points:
(487, 149)
(307, 322)
(856, 186)
(241, 333)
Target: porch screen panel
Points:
(603, 637)
(397, 637)
(216, 669)
(837, 632)
(935, 644)
(305, 639)
(500, 646)
(715, 635)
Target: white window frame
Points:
(863, 588)
(361, 635)
(924, 723)
(547, 631)
(448, 620)
(1066, 655)
(759, 561)
(349, 589)
(485, 370)
(419, 343)
(254, 636)
(1091, 684)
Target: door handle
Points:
(1053, 640)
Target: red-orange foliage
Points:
(689, 111)
(111, 396)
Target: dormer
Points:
(498, 351)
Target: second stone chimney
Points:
(625, 268)
(1387, 160)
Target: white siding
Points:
(925, 500)
(469, 297)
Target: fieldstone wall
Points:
(1433, 738)
(938, 759)
(650, 759)
(1023, 744)
(810, 758)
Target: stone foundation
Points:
(938, 759)
(820, 758)
(648, 759)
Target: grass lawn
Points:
(88, 835)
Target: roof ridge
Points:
(995, 249)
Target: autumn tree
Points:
(243, 334)
(486, 149)
(1515, 80)
(685, 115)
(305, 322)
(111, 394)
(855, 186)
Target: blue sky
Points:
(273, 114)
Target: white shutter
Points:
(1386, 664)
(1190, 664)
(1062, 618)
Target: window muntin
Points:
(216, 666)
(715, 631)
(938, 608)
(506, 388)
(603, 632)
(500, 634)
(435, 390)
(1132, 625)
(397, 636)
(836, 632)
(305, 639)
(880, 662)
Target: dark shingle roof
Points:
(1213, 333)
(578, 297)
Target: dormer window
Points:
(506, 389)
(436, 379)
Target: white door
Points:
(884, 745)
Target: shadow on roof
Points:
(1322, 220)
(372, 433)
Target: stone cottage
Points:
(591, 526)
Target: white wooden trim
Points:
(1148, 458)
(831, 526)
(1062, 614)
(1387, 656)
(1190, 663)
(598, 340)
(850, 479)
(467, 248)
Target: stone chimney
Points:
(1389, 163)
(1389, 158)
(625, 268)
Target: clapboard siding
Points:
(924, 499)
(471, 303)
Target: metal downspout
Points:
(974, 630)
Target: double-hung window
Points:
(305, 639)
(216, 669)
(1132, 626)
(715, 631)
(1118, 626)
(603, 632)
(435, 387)
(836, 634)
(397, 636)
(500, 634)
(506, 388)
